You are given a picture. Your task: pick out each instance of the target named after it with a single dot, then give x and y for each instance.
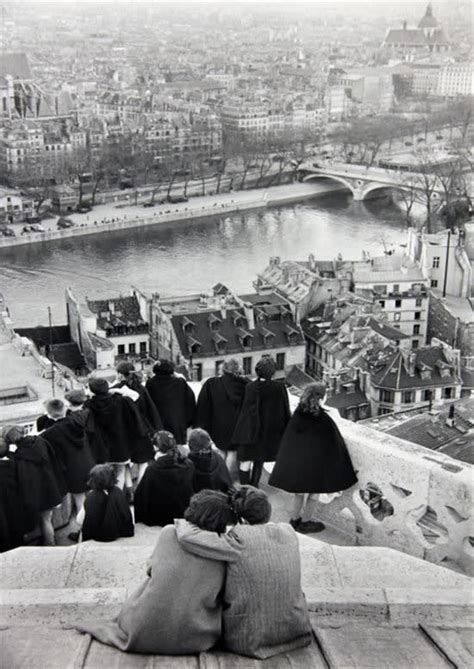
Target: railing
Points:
(407, 497)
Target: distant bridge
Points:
(362, 180)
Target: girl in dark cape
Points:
(12, 512)
(262, 421)
(177, 610)
(218, 407)
(141, 450)
(55, 410)
(210, 469)
(164, 492)
(41, 489)
(107, 516)
(173, 398)
(69, 440)
(313, 458)
(113, 425)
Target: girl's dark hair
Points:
(311, 398)
(102, 477)
(252, 505)
(165, 442)
(163, 367)
(210, 510)
(13, 433)
(265, 368)
(98, 386)
(199, 440)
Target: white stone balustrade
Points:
(426, 508)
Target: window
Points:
(419, 302)
(417, 315)
(396, 287)
(381, 289)
(280, 361)
(132, 348)
(408, 397)
(436, 260)
(398, 304)
(247, 365)
(448, 393)
(383, 411)
(396, 316)
(416, 329)
(217, 367)
(426, 395)
(386, 396)
(382, 303)
(197, 372)
(120, 349)
(143, 347)
(434, 283)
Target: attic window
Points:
(187, 324)
(214, 322)
(292, 334)
(220, 342)
(245, 338)
(238, 319)
(194, 346)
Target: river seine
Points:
(192, 257)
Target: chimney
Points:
(450, 418)
(312, 262)
(223, 307)
(249, 315)
(111, 306)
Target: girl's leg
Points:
(46, 526)
(79, 498)
(128, 483)
(141, 469)
(244, 472)
(256, 473)
(308, 525)
(298, 505)
(310, 506)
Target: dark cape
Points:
(262, 421)
(113, 425)
(13, 522)
(313, 456)
(175, 402)
(141, 449)
(210, 472)
(107, 516)
(39, 477)
(44, 421)
(69, 440)
(218, 408)
(164, 492)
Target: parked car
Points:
(36, 227)
(26, 229)
(175, 199)
(84, 209)
(8, 232)
(64, 223)
(149, 204)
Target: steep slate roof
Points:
(126, 312)
(16, 65)
(391, 373)
(266, 334)
(386, 330)
(345, 400)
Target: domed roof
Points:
(428, 21)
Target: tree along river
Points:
(192, 257)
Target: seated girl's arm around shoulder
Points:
(226, 547)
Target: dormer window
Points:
(187, 325)
(194, 346)
(220, 342)
(238, 319)
(425, 371)
(292, 334)
(214, 322)
(268, 336)
(245, 338)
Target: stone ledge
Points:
(424, 605)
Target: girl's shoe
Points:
(310, 527)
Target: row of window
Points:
(132, 348)
(398, 303)
(409, 397)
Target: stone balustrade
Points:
(408, 498)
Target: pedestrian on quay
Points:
(313, 458)
(164, 492)
(106, 515)
(218, 407)
(113, 425)
(69, 440)
(37, 474)
(55, 410)
(210, 469)
(141, 449)
(265, 610)
(262, 421)
(177, 610)
(173, 398)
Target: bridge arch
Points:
(371, 187)
(330, 177)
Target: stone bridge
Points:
(362, 180)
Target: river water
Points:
(192, 257)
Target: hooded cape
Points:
(218, 407)
(175, 402)
(313, 456)
(13, 521)
(164, 491)
(210, 471)
(107, 516)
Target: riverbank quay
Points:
(107, 218)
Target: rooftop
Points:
(427, 367)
